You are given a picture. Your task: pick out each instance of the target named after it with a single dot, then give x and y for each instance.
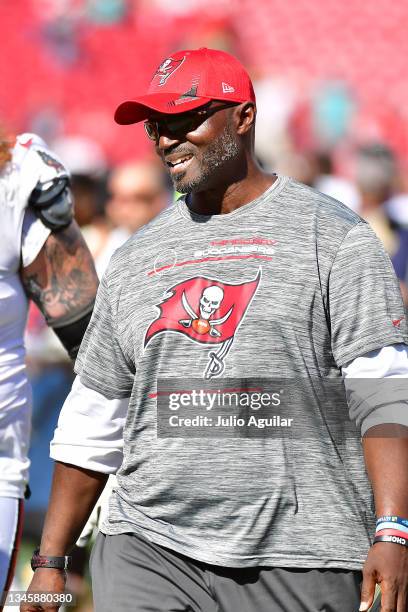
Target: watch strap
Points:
(61, 563)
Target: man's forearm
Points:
(386, 456)
(73, 495)
(62, 279)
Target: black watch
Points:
(61, 563)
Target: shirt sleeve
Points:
(365, 305)
(40, 162)
(32, 163)
(33, 237)
(89, 433)
(377, 387)
(101, 363)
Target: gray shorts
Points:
(131, 574)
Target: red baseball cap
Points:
(189, 79)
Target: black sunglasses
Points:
(182, 123)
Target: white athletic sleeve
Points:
(89, 433)
(33, 237)
(381, 399)
(33, 162)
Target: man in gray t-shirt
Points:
(221, 339)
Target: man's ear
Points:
(244, 116)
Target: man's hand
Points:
(386, 564)
(74, 492)
(386, 457)
(45, 580)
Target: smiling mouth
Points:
(179, 164)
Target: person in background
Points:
(377, 177)
(329, 183)
(137, 193)
(315, 168)
(44, 258)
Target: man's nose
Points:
(166, 141)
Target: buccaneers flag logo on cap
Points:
(208, 311)
(166, 69)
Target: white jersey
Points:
(22, 236)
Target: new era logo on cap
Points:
(227, 88)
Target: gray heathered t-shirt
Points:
(320, 291)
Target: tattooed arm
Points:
(62, 281)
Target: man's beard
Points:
(218, 153)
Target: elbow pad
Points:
(70, 330)
(52, 202)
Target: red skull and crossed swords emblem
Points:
(210, 301)
(219, 308)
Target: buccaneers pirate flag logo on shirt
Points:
(208, 311)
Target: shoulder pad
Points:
(44, 193)
(52, 203)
